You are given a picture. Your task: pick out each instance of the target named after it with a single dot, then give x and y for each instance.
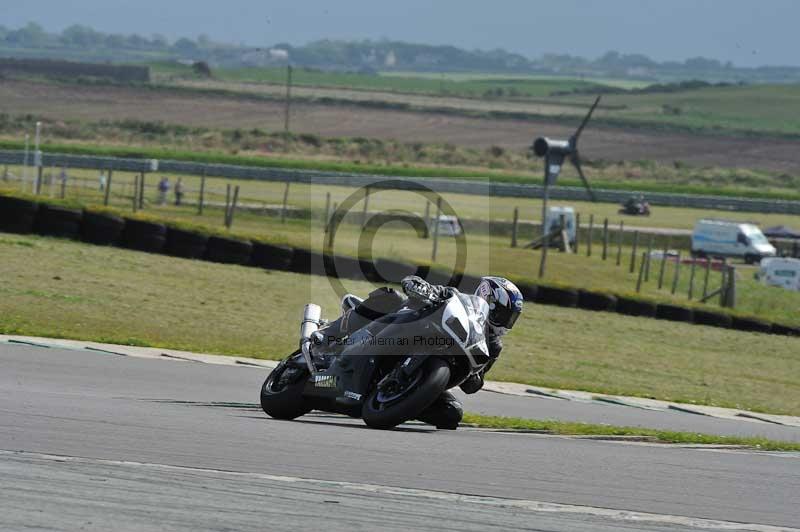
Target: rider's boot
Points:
(445, 413)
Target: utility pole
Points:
(288, 110)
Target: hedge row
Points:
(26, 216)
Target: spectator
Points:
(102, 181)
(179, 192)
(163, 190)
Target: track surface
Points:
(180, 445)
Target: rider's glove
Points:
(418, 288)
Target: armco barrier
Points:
(476, 187)
(153, 237)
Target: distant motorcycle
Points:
(634, 207)
(387, 372)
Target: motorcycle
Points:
(635, 208)
(386, 373)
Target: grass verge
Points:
(568, 428)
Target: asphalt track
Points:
(103, 442)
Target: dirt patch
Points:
(116, 103)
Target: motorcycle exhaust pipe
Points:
(312, 315)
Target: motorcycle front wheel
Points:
(282, 393)
(385, 412)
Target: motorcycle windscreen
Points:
(464, 319)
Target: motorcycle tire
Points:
(436, 375)
(287, 401)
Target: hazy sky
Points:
(747, 32)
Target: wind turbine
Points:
(555, 151)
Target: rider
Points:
(505, 305)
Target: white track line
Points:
(622, 516)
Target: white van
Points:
(448, 225)
(719, 238)
(553, 220)
(780, 272)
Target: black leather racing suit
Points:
(446, 412)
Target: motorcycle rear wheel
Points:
(282, 398)
(434, 379)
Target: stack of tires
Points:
(101, 228)
(17, 215)
(62, 222)
(144, 236)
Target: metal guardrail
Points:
(475, 187)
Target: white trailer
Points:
(782, 272)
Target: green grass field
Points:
(748, 109)
(469, 86)
(484, 252)
(59, 288)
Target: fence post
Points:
(723, 283)
(705, 282)
(285, 202)
(141, 191)
(543, 259)
(633, 251)
(233, 206)
(677, 274)
(663, 266)
(202, 198)
(731, 299)
(108, 186)
(605, 239)
(591, 236)
(5, 173)
(691, 278)
(366, 208)
(577, 230)
(64, 178)
(39, 173)
(135, 192)
(227, 204)
(619, 242)
(436, 229)
(641, 273)
(326, 219)
(649, 255)
(514, 228)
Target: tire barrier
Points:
(674, 313)
(307, 262)
(563, 297)
(23, 216)
(227, 250)
(185, 244)
(390, 271)
(53, 220)
(785, 330)
(271, 256)
(17, 215)
(751, 325)
(636, 307)
(101, 229)
(144, 236)
(341, 267)
(712, 319)
(596, 301)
